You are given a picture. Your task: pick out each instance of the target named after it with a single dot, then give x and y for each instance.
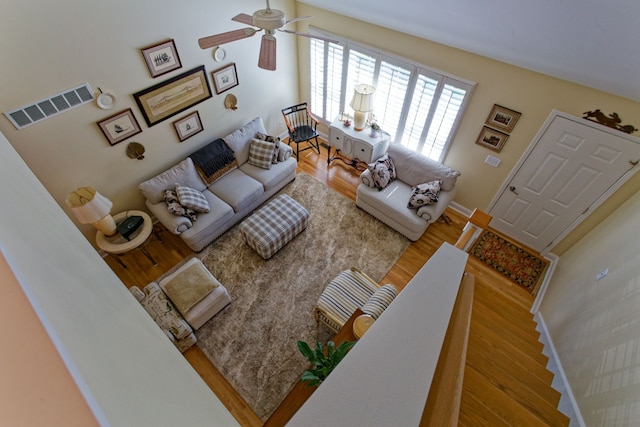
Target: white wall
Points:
(595, 325)
(50, 46)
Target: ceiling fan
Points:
(269, 20)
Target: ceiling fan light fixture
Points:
(269, 19)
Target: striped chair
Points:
(350, 290)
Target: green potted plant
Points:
(322, 362)
(375, 129)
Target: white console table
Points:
(356, 146)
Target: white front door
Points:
(572, 165)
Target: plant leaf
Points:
(306, 351)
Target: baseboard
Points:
(553, 261)
(460, 209)
(568, 404)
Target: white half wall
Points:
(127, 370)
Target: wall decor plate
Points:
(106, 101)
(166, 99)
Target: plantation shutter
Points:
(419, 107)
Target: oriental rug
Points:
(253, 341)
(517, 264)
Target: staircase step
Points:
(515, 315)
(482, 360)
(502, 404)
(537, 397)
(473, 413)
(511, 332)
(491, 342)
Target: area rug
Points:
(253, 342)
(518, 265)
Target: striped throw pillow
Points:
(380, 300)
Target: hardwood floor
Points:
(506, 381)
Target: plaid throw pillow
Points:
(261, 153)
(192, 199)
(276, 142)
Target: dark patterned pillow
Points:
(276, 142)
(424, 194)
(192, 199)
(174, 206)
(261, 153)
(383, 171)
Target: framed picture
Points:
(161, 58)
(502, 118)
(173, 96)
(188, 126)
(225, 78)
(120, 126)
(492, 139)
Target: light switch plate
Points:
(493, 161)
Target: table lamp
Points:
(91, 207)
(362, 103)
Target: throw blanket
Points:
(213, 160)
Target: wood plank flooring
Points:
(505, 383)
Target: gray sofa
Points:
(230, 198)
(389, 204)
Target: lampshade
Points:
(362, 103)
(91, 207)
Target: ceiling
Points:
(595, 43)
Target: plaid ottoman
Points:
(274, 225)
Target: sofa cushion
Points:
(414, 168)
(237, 189)
(284, 171)
(424, 194)
(240, 140)
(174, 206)
(192, 199)
(382, 171)
(214, 160)
(391, 202)
(261, 153)
(184, 173)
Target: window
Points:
(418, 106)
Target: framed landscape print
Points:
(120, 126)
(502, 118)
(225, 78)
(492, 139)
(161, 58)
(188, 126)
(173, 96)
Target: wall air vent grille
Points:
(49, 107)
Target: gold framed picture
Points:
(166, 99)
(502, 118)
(492, 139)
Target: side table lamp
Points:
(362, 103)
(91, 207)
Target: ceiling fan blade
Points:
(222, 38)
(267, 58)
(302, 18)
(311, 36)
(243, 18)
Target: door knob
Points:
(513, 190)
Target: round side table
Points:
(117, 245)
